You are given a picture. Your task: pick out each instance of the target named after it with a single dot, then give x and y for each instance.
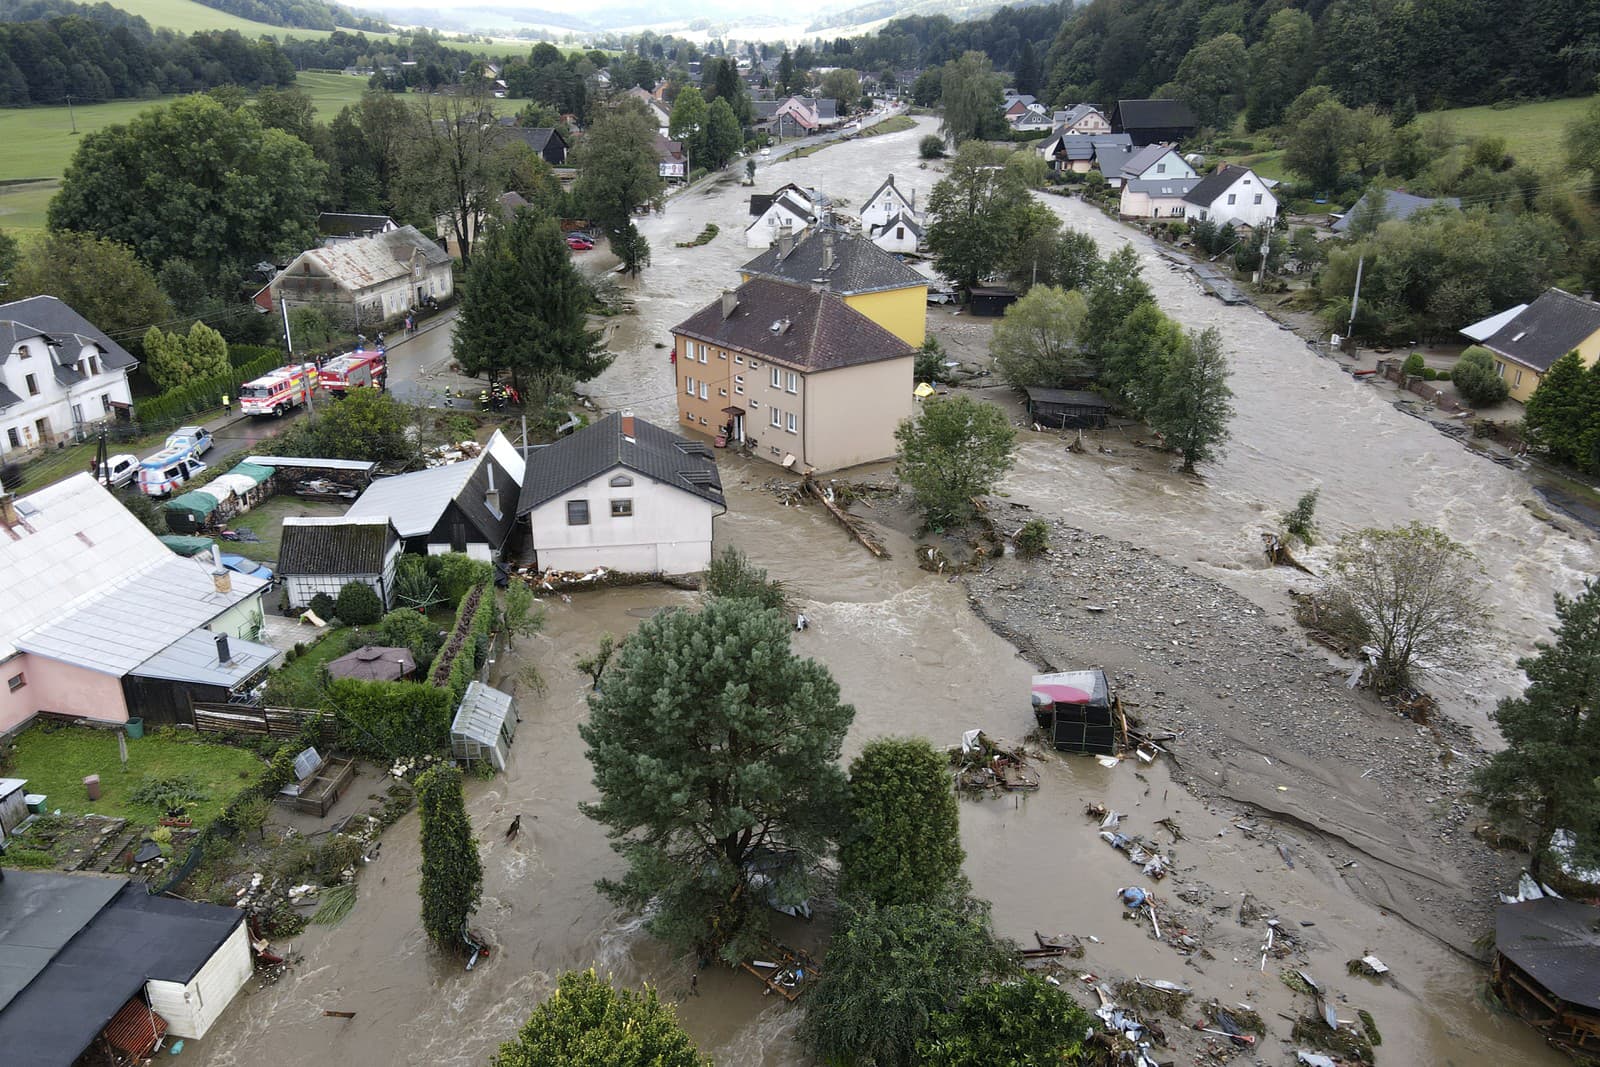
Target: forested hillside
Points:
(1435, 52)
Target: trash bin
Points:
(92, 784)
(135, 727)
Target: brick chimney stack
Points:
(627, 424)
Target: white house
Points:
(886, 203)
(625, 495)
(1081, 118)
(323, 554)
(458, 507)
(377, 278)
(1033, 117)
(59, 375)
(1233, 194)
(901, 234)
(1155, 198)
(788, 210)
(1155, 162)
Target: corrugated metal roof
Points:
(313, 462)
(414, 502)
(138, 617)
(75, 540)
(506, 454)
(193, 658)
(484, 710)
(376, 260)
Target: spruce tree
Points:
(452, 875)
(524, 307)
(1559, 410)
(1545, 778)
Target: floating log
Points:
(854, 526)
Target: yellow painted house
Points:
(1526, 345)
(869, 279)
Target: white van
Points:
(164, 472)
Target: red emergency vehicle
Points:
(354, 370)
(278, 391)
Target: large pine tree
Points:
(1560, 411)
(524, 307)
(1545, 778)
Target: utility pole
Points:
(1355, 299)
(288, 344)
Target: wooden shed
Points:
(1067, 409)
(484, 726)
(991, 300)
(1547, 969)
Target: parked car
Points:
(119, 470)
(765, 152)
(579, 242)
(247, 566)
(195, 440)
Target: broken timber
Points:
(853, 525)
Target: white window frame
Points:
(793, 422)
(705, 391)
(688, 384)
(791, 383)
(777, 418)
(777, 378)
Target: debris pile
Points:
(1145, 855)
(982, 765)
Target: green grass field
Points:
(186, 16)
(1533, 132)
(55, 762)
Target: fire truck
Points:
(354, 370)
(278, 391)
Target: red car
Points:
(579, 243)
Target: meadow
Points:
(186, 16)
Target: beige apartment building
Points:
(794, 373)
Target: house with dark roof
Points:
(323, 554)
(95, 969)
(457, 507)
(623, 494)
(60, 376)
(1527, 346)
(788, 209)
(336, 226)
(870, 280)
(1397, 205)
(887, 201)
(546, 141)
(1235, 195)
(673, 159)
(1547, 969)
(794, 373)
(1082, 152)
(901, 234)
(1148, 121)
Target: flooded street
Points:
(914, 659)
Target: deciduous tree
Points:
(452, 874)
(979, 210)
(1281, 64)
(1317, 146)
(1036, 343)
(904, 841)
(715, 752)
(1418, 597)
(587, 1022)
(970, 96)
(1475, 379)
(1117, 289)
(955, 449)
(691, 122)
(457, 166)
(102, 280)
(1194, 404)
(193, 180)
(618, 170)
(1024, 1021)
(723, 137)
(524, 306)
(1544, 779)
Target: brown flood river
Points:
(913, 658)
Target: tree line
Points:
(303, 14)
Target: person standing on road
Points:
(227, 404)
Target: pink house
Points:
(100, 620)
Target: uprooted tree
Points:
(1409, 593)
(716, 755)
(1544, 779)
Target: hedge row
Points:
(390, 720)
(202, 394)
(463, 650)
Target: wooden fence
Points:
(242, 719)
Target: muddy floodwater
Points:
(914, 659)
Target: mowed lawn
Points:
(56, 761)
(186, 16)
(1533, 132)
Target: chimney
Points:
(491, 497)
(221, 577)
(224, 657)
(627, 424)
(730, 300)
(827, 249)
(785, 241)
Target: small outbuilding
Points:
(991, 300)
(484, 726)
(1067, 409)
(1547, 969)
(13, 806)
(1076, 711)
(374, 663)
(321, 554)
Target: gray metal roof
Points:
(193, 658)
(484, 710)
(1484, 329)
(658, 454)
(414, 502)
(314, 463)
(1553, 325)
(1396, 205)
(1144, 159)
(139, 616)
(113, 951)
(48, 316)
(858, 265)
(1162, 186)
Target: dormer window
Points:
(24, 352)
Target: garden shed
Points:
(225, 496)
(374, 663)
(484, 726)
(991, 301)
(1067, 409)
